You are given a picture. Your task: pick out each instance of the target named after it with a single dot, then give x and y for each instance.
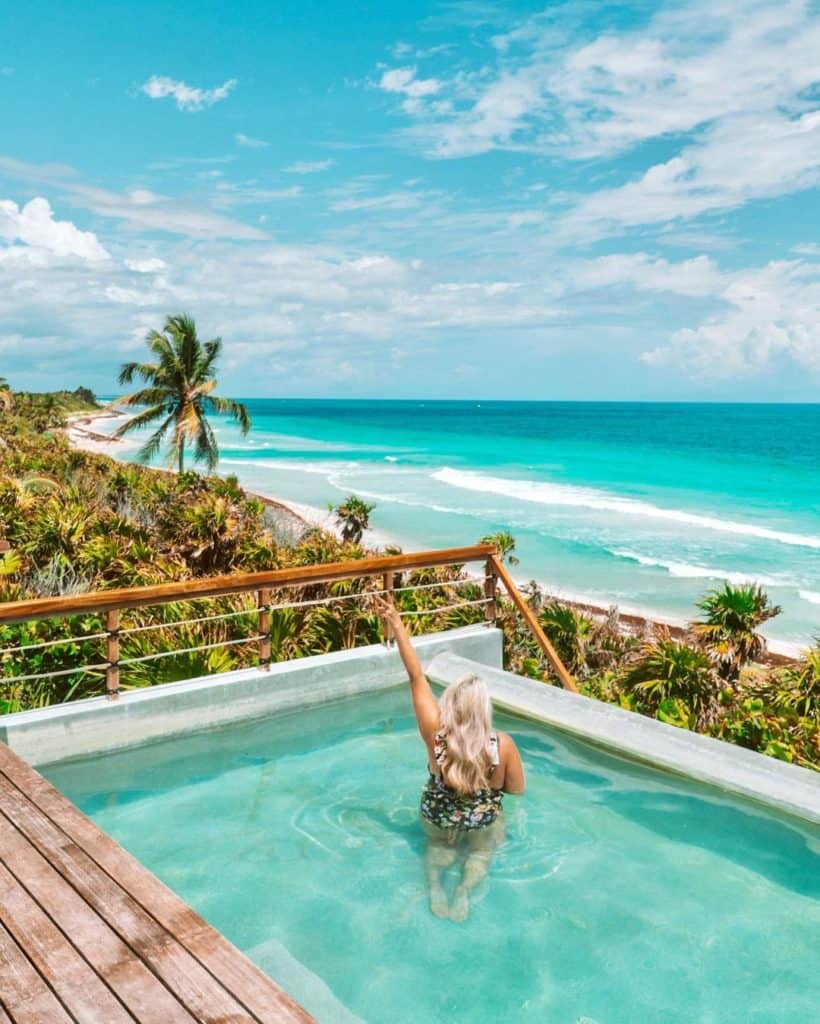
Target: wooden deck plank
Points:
(145, 996)
(27, 998)
(198, 990)
(263, 998)
(68, 975)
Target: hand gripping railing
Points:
(112, 603)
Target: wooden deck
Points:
(87, 934)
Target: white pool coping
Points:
(99, 725)
(765, 780)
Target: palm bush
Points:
(353, 518)
(570, 633)
(729, 628)
(796, 688)
(674, 678)
(504, 544)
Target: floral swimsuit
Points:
(446, 808)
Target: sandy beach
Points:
(90, 433)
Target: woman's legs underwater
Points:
(443, 848)
(441, 853)
(481, 845)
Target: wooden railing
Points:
(111, 604)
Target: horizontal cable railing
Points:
(262, 585)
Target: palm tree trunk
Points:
(181, 457)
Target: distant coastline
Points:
(86, 432)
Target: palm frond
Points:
(236, 410)
(142, 419)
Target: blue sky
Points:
(469, 199)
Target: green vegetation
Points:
(731, 618)
(179, 392)
(504, 544)
(76, 521)
(353, 517)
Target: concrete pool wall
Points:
(99, 725)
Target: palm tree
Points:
(729, 627)
(668, 670)
(180, 393)
(353, 516)
(504, 544)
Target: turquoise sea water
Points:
(643, 505)
(621, 895)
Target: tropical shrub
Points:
(353, 517)
(728, 629)
(674, 681)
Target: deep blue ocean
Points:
(641, 505)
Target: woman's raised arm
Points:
(424, 703)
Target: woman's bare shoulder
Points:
(505, 741)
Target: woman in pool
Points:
(471, 767)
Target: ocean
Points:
(643, 505)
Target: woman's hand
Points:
(383, 604)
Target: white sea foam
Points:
(684, 570)
(315, 468)
(811, 596)
(568, 496)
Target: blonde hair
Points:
(465, 722)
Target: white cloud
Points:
(715, 173)
(236, 193)
(762, 313)
(139, 208)
(308, 166)
(187, 97)
(45, 240)
(404, 81)
(151, 265)
(400, 200)
(249, 142)
(731, 88)
(695, 278)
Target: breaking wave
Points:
(568, 496)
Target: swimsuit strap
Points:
(495, 750)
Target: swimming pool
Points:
(622, 894)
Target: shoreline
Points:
(80, 433)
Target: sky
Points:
(583, 200)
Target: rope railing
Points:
(112, 603)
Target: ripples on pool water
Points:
(621, 895)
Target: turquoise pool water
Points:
(622, 895)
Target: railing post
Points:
(535, 626)
(387, 587)
(263, 601)
(490, 587)
(112, 673)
